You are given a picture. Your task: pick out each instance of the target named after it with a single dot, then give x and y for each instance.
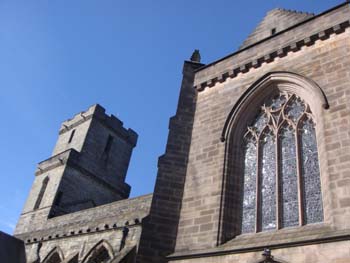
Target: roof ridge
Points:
(275, 20)
(290, 11)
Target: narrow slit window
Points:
(71, 136)
(108, 145)
(99, 254)
(41, 193)
(273, 31)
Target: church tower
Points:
(87, 168)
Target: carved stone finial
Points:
(196, 56)
(268, 258)
(267, 253)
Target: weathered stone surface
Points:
(77, 233)
(194, 214)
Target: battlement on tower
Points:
(98, 112)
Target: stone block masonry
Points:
(77, 233)
(78, 210)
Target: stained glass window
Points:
(249, 195)
(268, 181)
(289, 179)
(310, 173)
(281, 184)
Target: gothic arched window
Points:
(55, 256)
(281, 185)
(41, 193)
(100, 253)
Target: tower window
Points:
(41, 193)
(108, 145)
(107, 149)
(281, 185)
(71, 136)
(273, 31)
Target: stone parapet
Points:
(116, 215)
(281, 44)
(111, 121)
(57, 160)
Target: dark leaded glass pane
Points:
(288, 177)
(54, 258)
(101, 255)
(268, 183)
(294, 109)
(260, 122)
(283, 108)
(310, 174)
(249, 195)
(277, 102)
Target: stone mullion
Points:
(278, 190)
(257, 187)
(299, 176)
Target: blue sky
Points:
(59, 57)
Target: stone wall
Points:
(326, 61)
(328, 252)
(159, 235)
(277, 20)
(77, 233)
(192, 216)
(87, 169)
(92, 129)
(273, 47)
(31, 217)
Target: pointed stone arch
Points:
(101, 252)
(246, 108)
(286, 81)
(127, 255)
(72, 258)
(54, 256)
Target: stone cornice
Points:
(56, 161)
(97, 112)
(30, 238)
(270, 57)
(74, 226)
(70, 158)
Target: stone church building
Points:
(256, 167)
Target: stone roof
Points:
(277, 20)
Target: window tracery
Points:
(54, 256)
(100, 253)
(281, 185)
